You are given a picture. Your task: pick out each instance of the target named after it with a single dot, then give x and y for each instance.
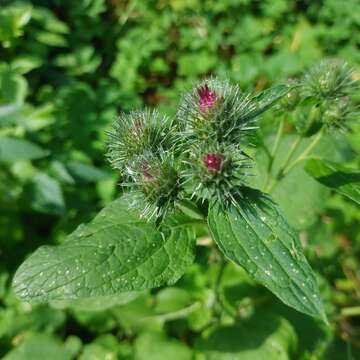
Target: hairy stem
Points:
(274, 151)
(287, 166)
(305, 153)
(218, 302)
(280, 173)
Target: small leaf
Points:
(337, 177)
(13, 87)
(256, 236)
(18, 149)
(116, 252)
(26, 63)
(45, 195)
(267, 99)
(86, 172)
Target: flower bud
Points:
(136, 133)
(207, 98)
(157, 182)
(330, 79)
(217, 110)
(213, 162)
(216, 172)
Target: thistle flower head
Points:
(217, 110)
(216, 172)
(330, 79)
(207, 97)
(156, 181)
(213, 162)
(139, 132)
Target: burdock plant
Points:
(192, 173)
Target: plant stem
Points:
(218, 303)
(287, 167)
(350, 311)
(278, 137)
(274, 151)
(219, 277)
(280, 173)
(303, 156)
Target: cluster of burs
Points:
(202, 153)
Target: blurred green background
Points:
(66, 69)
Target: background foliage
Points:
(66, 69)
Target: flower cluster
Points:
(202, 154)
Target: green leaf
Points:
(45, 195)
(51, 39)
(99, 303)
(26, 63)
(94, 351)
(337, 177)
(267, 99)
(9, 114)
(256, 236)
(264, 336)
(86, 172)
(13, 87)
(18, 149)
(308, 197)
(12, 21)
(172, 299)
(155, 346)
(39, 346)
(116, 252)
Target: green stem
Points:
(280, 173)
(287, 166)
(219, 277)
(218, 303)
(350, 311)
(274, 151)
(305, 153)
(278, 137)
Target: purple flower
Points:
(207, 98)
(213, 162)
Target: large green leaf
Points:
(116, 252)
(343, 180)
(256, 236)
